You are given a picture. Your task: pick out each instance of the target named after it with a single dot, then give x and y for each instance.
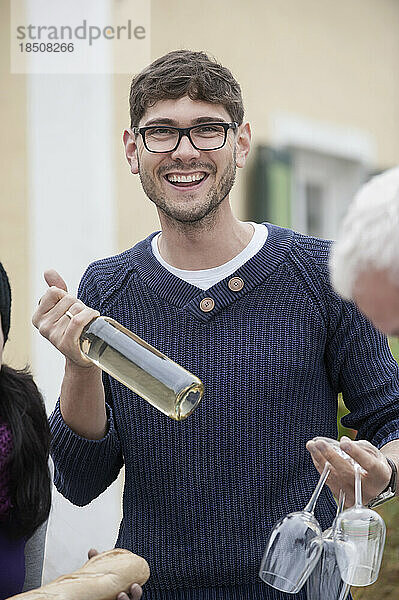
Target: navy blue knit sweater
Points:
(201, 495)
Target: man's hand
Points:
(374, 480)
(135, 591)
(55, 325)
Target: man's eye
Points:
(161, 131)
(210, 130)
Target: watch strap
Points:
(390, 490)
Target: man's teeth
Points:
(185, 178)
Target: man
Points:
(365, 259)
(246, 307)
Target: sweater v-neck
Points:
(189, 297)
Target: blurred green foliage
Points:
(394, 344)
(342, 410)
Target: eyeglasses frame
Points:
(185, 131)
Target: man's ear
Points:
(131, 150)
(243, 144)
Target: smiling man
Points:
(195, 187)
(248, 308)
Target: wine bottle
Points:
(141, 367)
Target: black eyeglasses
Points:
(163, 138)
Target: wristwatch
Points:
(389, 491)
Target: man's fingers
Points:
(58, 308)
(61, 329)
(364, 453)
(54, 279)
(47, 302)
(135, 593)
(317, 457)
(322, 451)
(58, 289)
(378, 471)
(341, 475)
(375, 469)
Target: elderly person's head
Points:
(364, 261)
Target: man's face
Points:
(378, 298)
(209, 175)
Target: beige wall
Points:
(328, 60)
(14, 226)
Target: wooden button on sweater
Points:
(207, 304)
(236, 284)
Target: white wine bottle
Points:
(141, 367)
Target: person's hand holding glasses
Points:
(350, 551)
(359, 533)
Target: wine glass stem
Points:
(340, 508)
(341, 502)
(311, 504)
(358, 487)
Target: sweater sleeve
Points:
(83, 468)
(363, 369)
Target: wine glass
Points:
(294, 546)
(359, 538)
(325, 581)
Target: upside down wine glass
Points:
(359, 539)
(294, 546)
(325, 581)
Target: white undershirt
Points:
(206, 278)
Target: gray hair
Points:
(369, 236)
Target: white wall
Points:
(72, 217)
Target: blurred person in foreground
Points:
(247, 307)
(365, 259)
(25, 487)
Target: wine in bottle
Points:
(141, 367)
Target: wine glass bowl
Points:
(359, 545)
(325, 581)
(292, 552)
(360, 538)
(294, 546)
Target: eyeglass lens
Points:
(203, 137)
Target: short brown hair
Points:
(185, 73)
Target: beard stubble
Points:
(187, 212)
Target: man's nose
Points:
(185, 150)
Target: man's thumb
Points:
(53, 278)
